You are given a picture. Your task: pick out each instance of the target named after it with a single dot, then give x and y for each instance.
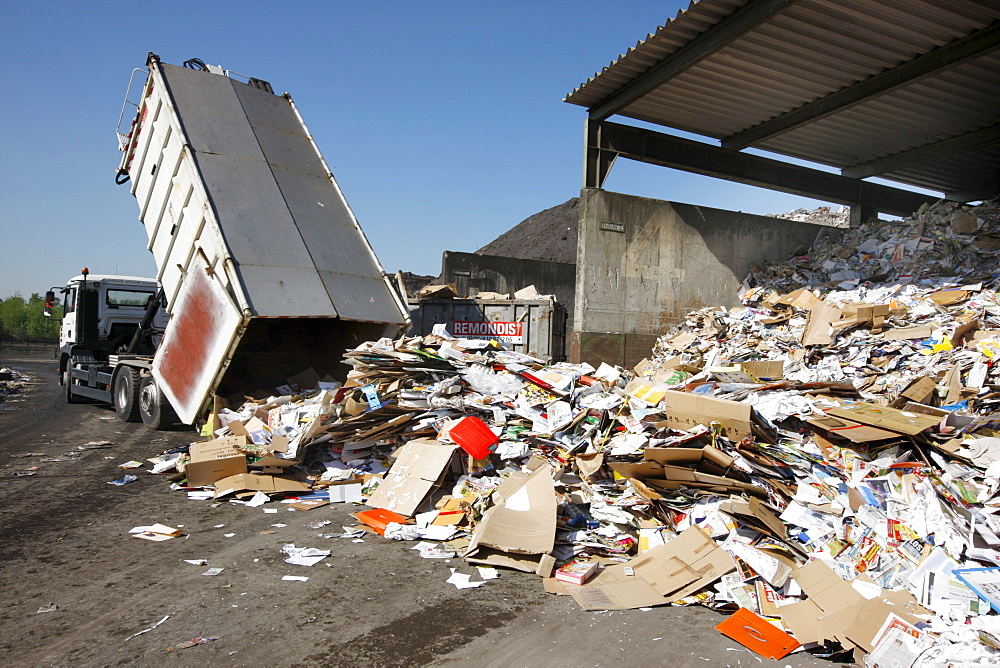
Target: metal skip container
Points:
(536, 327)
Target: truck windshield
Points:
(137, 298)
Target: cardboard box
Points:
(214, 460)
(252, 482)
(765, 369)
(419, 468)
(685, 410)
(520, 530)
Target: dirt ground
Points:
(64, 541)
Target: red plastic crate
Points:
(474, 436)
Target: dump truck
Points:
(263, 271)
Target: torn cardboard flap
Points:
(908, 333)
(519, 532)
(418, 469)
(272, 465)
(253, 482)
(802, 299)
(663, 574)
(819, 325)
(757, 514)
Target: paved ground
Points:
(63, 540)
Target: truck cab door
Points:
(68, 326)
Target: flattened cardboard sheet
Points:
(520, 530)
(884, 417)
(268, 484)
(663, 574)
(419, 468)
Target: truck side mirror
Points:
(50, 299)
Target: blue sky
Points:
(443, 122)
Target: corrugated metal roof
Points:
(806, 50)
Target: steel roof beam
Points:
(973, 195)
(904, 159)
(691, 156)
(942, 58)
(744, 19)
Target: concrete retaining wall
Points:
(644, 263)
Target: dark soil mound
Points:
(548, 235)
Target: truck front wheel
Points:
(126, 394)
(67, 382)
(154, 409)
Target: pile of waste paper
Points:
(822, 461)
(12, 381)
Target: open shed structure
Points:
(905, 90)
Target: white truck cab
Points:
(118, 310)
(109, 333)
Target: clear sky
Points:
(443, 122)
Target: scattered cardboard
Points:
(268, 484)
(819, 325)
(802, 619)
(663, 574)
(765, 369)
(519, 531)
(419, 468)
(851, 430)
(448, 291)
(801, 298)
(884, 417)
(949, 297)
(908, 333)
(920, 390)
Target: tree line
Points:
(22, 320)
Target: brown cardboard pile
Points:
(823, 460)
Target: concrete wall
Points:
(473, 273)
(655, 261)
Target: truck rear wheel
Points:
(154, 409)
(67, 382)
(126, 394)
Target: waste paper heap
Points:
(12, 382)
(823, 460)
